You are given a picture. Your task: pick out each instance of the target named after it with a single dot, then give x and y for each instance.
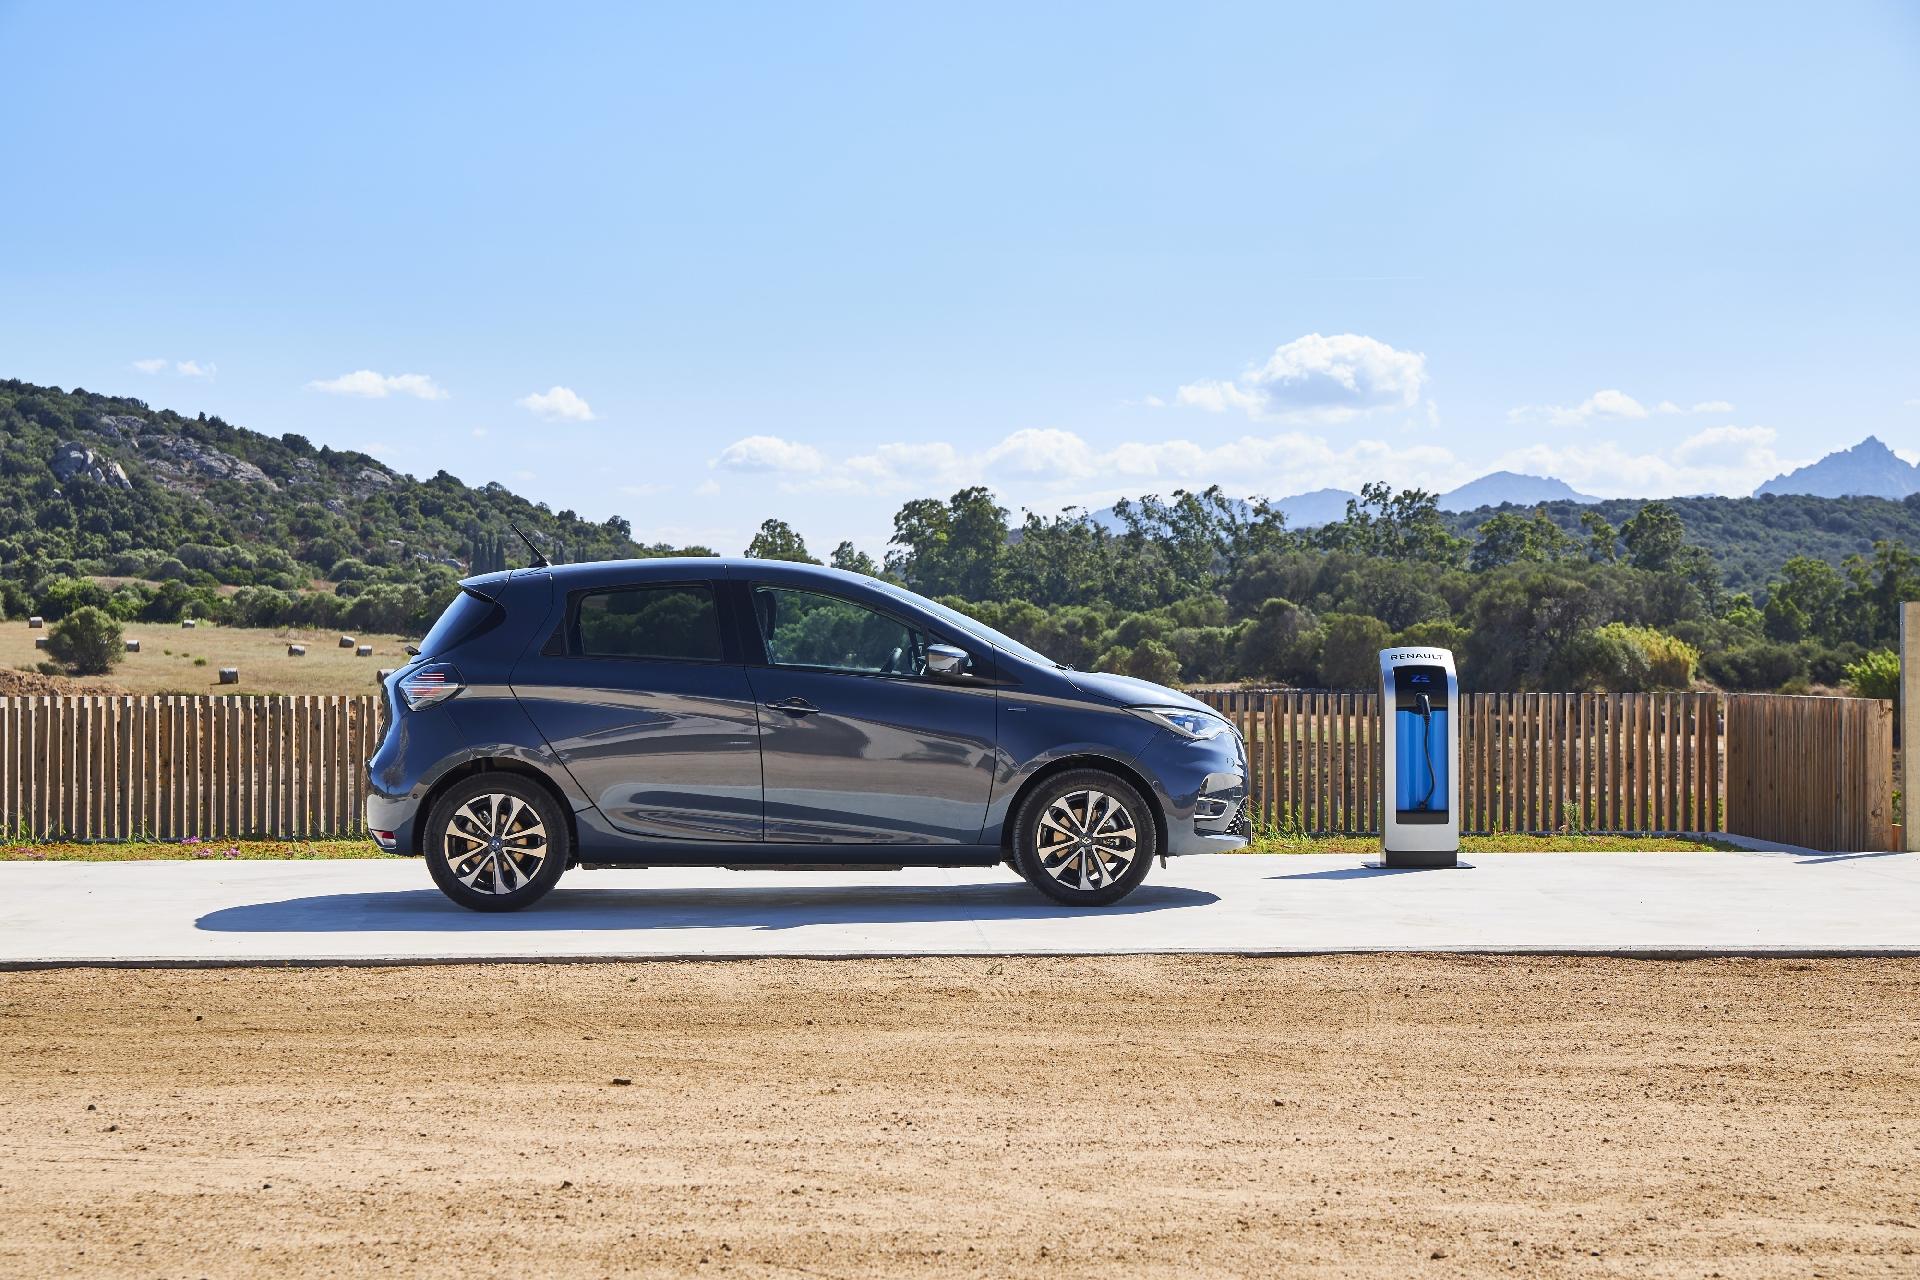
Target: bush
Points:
(1350, 645)
(1753, 667)
(1877, 675)
(88, 641)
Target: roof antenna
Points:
(539, 561)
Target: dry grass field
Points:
(170, 659)
(1337, 1116)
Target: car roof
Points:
(666, 568)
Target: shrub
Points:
(88, 641)
(1877, 675)
(1754, 666)
(1619, 658)
(1350, 648)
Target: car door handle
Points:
(794, 706)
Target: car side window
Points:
(678, 622)
(807, 629)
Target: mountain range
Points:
(1869, 469)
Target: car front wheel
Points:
(496, 842)
(1084, 838)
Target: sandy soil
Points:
(1377, 1116)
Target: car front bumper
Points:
(1202, 790)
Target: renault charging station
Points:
(1421, 824)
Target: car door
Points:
(857, 744)
(642, 695)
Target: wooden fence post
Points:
(1909, 711)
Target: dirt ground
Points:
(1339, 1116)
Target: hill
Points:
(1503, 487)
(108, 485)
(1750, 538)
(1869, 469)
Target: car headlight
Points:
(1194, 726)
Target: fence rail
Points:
(116, 767)
(1528, 761)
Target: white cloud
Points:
(1601, 404)
(1729, 460)
(769, 454)
(184, 368)
(557, 404)
(369, 385)
(1607, 404)
(1317, 378)
(479, 433)
(1051, 464)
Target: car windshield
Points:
(972, 626)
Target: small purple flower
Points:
(232, 852)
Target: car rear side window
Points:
(463, 619)
(678, 622)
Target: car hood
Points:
(1131, 692)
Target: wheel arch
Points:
(493, 764)
(1066, 764)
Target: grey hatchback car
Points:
(757, 714)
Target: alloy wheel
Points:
(495, 843)
(1087, 839)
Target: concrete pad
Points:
(387, 911)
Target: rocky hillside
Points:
(107, 485)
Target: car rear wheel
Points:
(496, 842)
(1084, 838)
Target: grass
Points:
(188, 850)
(173, 659)
(1278, 843)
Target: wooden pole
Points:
(1910, 722)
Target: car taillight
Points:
(424, 686)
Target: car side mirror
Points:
(945, 660)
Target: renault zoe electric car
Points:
(760, 714)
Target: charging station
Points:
(1421, 823)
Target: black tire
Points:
(486, 867)
(1048, 848)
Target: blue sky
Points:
(701, 265)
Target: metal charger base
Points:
(1418, 858)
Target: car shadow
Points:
(429, 911)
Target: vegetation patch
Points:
(1274, 843)
(190, 850)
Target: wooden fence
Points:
(113, 767)
(1809, 771)
(1816, 772)
(1528, 761)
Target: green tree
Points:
(777, 541)
(951, 548)
(853, 560)
(1509, 538)
(88, 642)
(1350, 648)
(1406, 525)
(1875, 675)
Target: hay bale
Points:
(347, 642)
(41, 642)
(188, 624)
(364, 651)
(229, 675)
(133, 646)
(296, 651)
(380, 676)
(36, 622)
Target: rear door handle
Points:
(794, 706)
